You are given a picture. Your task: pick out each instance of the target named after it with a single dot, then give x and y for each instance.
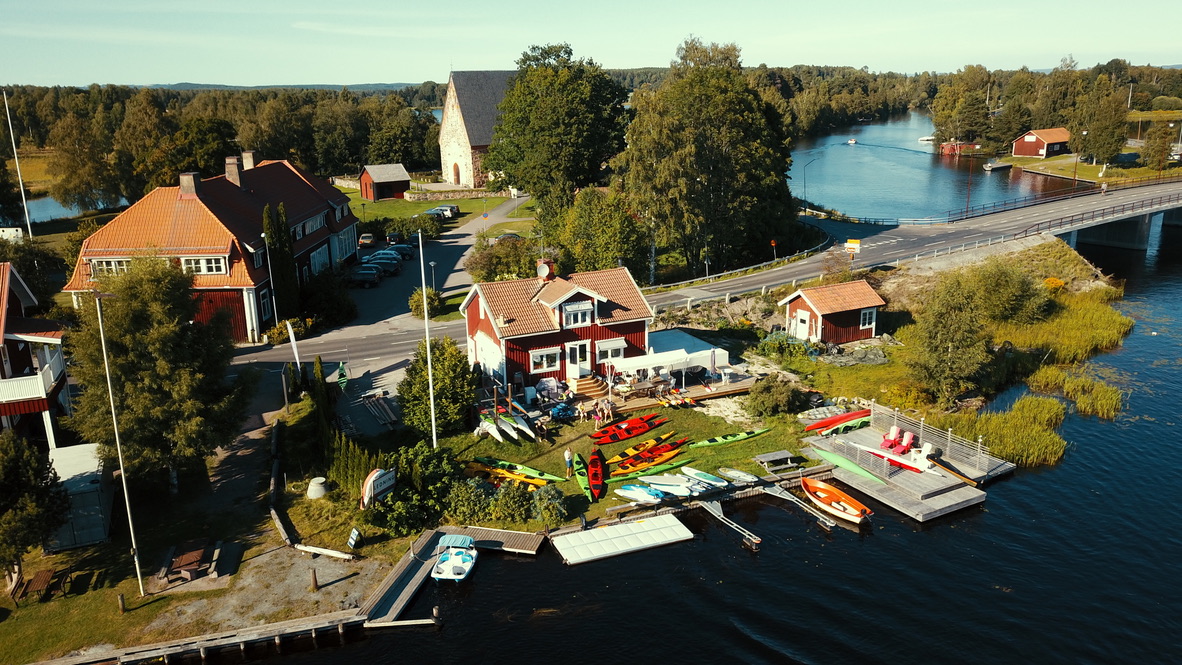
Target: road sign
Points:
(853, 246)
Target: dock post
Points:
(204, 654)
(122, 605)
(278, 645)
(315, 643)
(435, 615)
(341, 633)
(315, 586)
(242, 649)
(689, 303)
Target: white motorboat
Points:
(927, 139)
(996, 166)
(852, 141)
(457, 557)
(642, 494)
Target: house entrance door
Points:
(800, 325)
(578, 360)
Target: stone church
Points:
(469, 115)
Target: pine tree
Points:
(283, 268)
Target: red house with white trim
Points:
(833, 314)
(384, 181)
(213, 228)
(1042, 143)
(32, 368)
(555, 327)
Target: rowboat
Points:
(847, 426)
(704, 477)
(652, 469)
(834, 501)
(596, 472)
(996, 166)
(741, 476)
(653, 452)
(821, 412)
(457, 557)
(836, 420)
(642, 494)
(627, 467)
(728, 438)
(627, 429)
(849, 465)
(518, 468)
(580, 467)
(913, 460)
(640, 447)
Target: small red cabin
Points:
(384, 181)
(833, 314)
(1042, 143)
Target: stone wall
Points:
(452, 194)
(342, 181)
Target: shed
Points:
(833, 314)
(91, 498)
(1042, 143)
(384, 181)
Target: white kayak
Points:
(741, 476)
(490, 428)
(524, 427)
(641, 494)
(676, 490)
(704, 477)
(668, 479)
(508, 426)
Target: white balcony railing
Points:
(37, 385)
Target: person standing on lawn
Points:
(566, 455)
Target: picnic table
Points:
(40, 583)
(190, 562)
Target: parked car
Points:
(450, 210)
(406, 251)
(387, 266)
(366, 240)
(364, 276)
(387, 255)
(395, 238)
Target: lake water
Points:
(890, 173)
(1075, 563)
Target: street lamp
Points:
(271, 279)
(432, 264)
(362, 213)
(427, 335)
(804, 177)
(1075, 167)
(707, 260)
(135, 552)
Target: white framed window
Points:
(314, 224)
(609, 350)
(109, 266)
(577, 314)
(544, 360)
(319, 259)
(208, 265)
(265, 303)
(867, 318)
(258, 259)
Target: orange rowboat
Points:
(626, 467)
(834, 501)
(640, 447)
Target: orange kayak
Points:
(626, 468)
(620, 457)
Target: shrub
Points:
(326, 300)
(549, 505)
(512, 503)
(278, 333)
(1002, 292)
(774, 395)
(469, 502)
(434, 303)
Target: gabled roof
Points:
(478, 94)
(1055, 135)
(838, 297)
(387, 172)
(520, 301)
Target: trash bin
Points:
(316, 488)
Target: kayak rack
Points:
(781, 493)
(715, 508)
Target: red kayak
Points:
(627, 429)
(596, 476)
(653, 452)
(833, 421)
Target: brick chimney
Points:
(234, 170)
(190, 184)
(546, 270)
(248, 160)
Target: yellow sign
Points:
(853, 246)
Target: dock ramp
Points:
(609, 541)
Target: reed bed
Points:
(1092, 396)
(1024, 435)
(1083, 325)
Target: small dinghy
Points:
(704, 477)
(642, 494)
(735, 474)
(834, 501)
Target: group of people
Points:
(601, 411)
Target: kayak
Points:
(677, 490)
(518, 468)
(668, 480)
(913, 460)
(834, 501)
(642, 494)
(596, 466)
(627, 467)
(619, 457)
(508, 426)
(580, 467)
(741, 476)
(704, 477)
(490, 427)
(840, 418)
(847, 426)
(478, 470)
(524, 427)
(653, 469)
(628, 428)
(653, 452)
(849, 465)
(729, 438)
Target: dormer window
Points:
(577, 314)
(214, 265)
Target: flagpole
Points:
(427, 334)
(20, 183)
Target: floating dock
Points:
(601, 543)
(920, 496)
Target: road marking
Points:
(975, 235)
(365, 360)
(938, 242)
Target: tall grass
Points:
(1083, 324)
(1024, 435)
(1092, 396)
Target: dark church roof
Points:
(478, 95)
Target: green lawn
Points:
(34, 170)
(524, 211)
(470, 209)
(451, 307)
(523, 228)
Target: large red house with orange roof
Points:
(565, 328)
(213, 228)
(32, 369)
(1042, 143)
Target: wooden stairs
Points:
(589, 387)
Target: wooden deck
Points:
(396, 592)
(739, 386)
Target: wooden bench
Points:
(775, 461)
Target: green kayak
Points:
(581, 475)
(848, 465)
(519, 468)
(847, 426)
(651, 471)
(728, 438)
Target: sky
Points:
(287, 42)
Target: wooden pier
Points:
(697, 392)
(396, 592)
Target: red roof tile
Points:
(838, 297)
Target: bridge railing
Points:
(1103, 213)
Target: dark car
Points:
(405, 251)
(395, 238)
(388, 267)
(386, 255)
(364, 276)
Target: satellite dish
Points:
(543, 270)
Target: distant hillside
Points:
(359, 87)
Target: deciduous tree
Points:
(597, 232)
(174, 402)
(80, 164)
(455, 388)
(1158, 142)
(283, 269)
(951, 344)
(33, 503)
